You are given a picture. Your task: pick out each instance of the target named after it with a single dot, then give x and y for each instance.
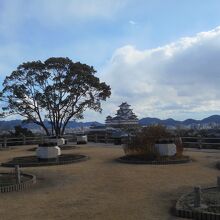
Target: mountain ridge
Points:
(9, 125)
(187, 122)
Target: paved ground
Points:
(101, 188)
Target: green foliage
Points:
(56, 90)
(143, 143)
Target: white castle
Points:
(124, 116)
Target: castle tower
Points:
(124, 117)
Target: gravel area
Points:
(102, 188)
(8, 179)
(210, 201)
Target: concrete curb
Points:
(46, 163)
(165, 162)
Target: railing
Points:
(201, 142)
(194, 142)
(7, 142)
(100, 138)
(15, 141)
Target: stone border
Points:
(165, 162)
(195, 214)
(46, 163)
(19, 186)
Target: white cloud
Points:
(175, 80)
(132, 22)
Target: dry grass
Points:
(101, 188)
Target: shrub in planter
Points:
(142, 144)
(164, 141)
(165, 147)
(81, 139)
(47, 151)
(59, 141)
(48, 144)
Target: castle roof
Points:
(124, 115)
(124, 104)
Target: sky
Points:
(162, 57)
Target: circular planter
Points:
(81, 139)
(166, 149)
(210, 208)
(136, 160)
(57, 141)
(48, 153)
(64, 147)
(60, 141)
(8, 182)
(33, 161)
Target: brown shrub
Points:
(143, 143)
(179, 146)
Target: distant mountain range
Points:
(187, 122)
(9, 125)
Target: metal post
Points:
(218, 181)
(5, 142)
(18, 174)
(106, 138)
(200, 141)
(24, 140)
(197, 197)
(42, 139)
